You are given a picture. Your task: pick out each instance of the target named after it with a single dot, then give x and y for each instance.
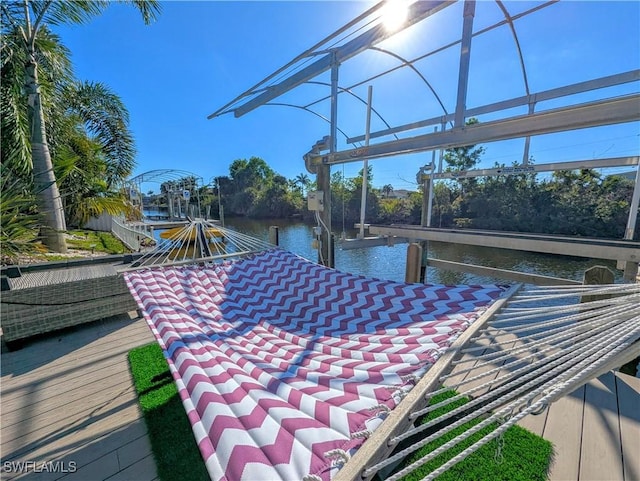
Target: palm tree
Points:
(304, 182)
(28, 19)
(387, 190)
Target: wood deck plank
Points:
(135, 451)
(104, 346)
(44, 401)
(65, 351)
(99, 468)
(68, 415)
(564, 429)
(601, 456)
(628, 391)
(84, 448)
(140, 471)
(96, 422)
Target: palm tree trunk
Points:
(44, 180)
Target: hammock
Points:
(286, 367)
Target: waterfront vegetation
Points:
(581, 203)
(523, 455)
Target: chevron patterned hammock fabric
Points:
(284, 366)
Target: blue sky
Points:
(199, 55)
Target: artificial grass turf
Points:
(524, 456)
(172, 442)
(519, 456)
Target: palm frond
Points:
(18, 221)
(15, 150)
(65, 12)
(149, 9)
(106, 118)
(95, 206)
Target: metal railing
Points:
(132, 235)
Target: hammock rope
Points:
(580, 373)
(601, 335)
(201, 241)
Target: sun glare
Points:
(394, 14)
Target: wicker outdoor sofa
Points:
(43, 298)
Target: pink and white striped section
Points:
(284, 366)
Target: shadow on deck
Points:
(69, 409)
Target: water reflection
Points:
(389, 262)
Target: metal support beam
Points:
(593, 114)
(524, 277)
(631, 268)
(527, 140)
(465, 56)
(599, 83)
(325, 249)
(551, 167)
(350, 244)
(568, 246)
(633, 209)
(417, 12)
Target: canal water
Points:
(389, 262)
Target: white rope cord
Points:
(541, 370)
(505, 377)
(509, 315)
(542, 338)
(567, 338)
(576, 319)
(593, 338)
(540, 312)
(598, 290)
(567, 287)
(201, 241)
(576, 289)
(537, 340)
(590, 359)
(619, 307)
(512, 420)
(173, 245)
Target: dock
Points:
(68, 398)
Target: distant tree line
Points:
(581, 202)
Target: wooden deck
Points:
(69, 400)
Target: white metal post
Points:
(465, 55)
(631, 268)
(433, 171)
(365, 165)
